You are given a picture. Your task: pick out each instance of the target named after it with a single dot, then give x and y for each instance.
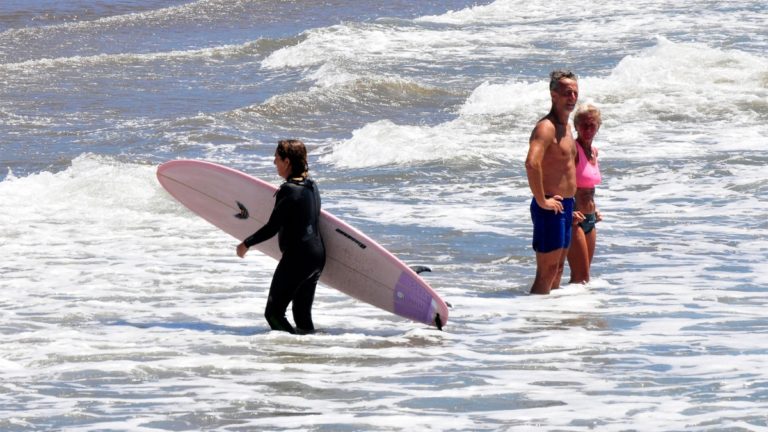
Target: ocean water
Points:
(120, 310)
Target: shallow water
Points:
(123, 311)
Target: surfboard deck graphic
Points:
(356, 265)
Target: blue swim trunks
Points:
(552, 231)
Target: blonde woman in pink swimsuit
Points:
(587, 121)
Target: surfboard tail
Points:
(415, 302)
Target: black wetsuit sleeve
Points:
(275, 221)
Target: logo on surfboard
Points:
(243, 211)
(349, 236)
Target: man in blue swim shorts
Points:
(551, 169)
(552, 230)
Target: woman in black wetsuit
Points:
(295, 221)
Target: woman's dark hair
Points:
(295, 151)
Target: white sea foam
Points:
(54, 64)
(357, 49)
(199, 9)
(121, 310)
(384, 143)
(642, 94)
(126, 291)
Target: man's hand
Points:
(553, 203)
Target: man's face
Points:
(566, 94)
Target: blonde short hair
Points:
(587, 109)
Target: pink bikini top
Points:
(587, 173)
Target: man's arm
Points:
(542, 137)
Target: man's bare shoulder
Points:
(544, 129)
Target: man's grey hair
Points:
(556, 75)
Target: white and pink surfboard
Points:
(355, 265)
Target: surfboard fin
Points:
(438, 322)
(243, 211)
(420, 269)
